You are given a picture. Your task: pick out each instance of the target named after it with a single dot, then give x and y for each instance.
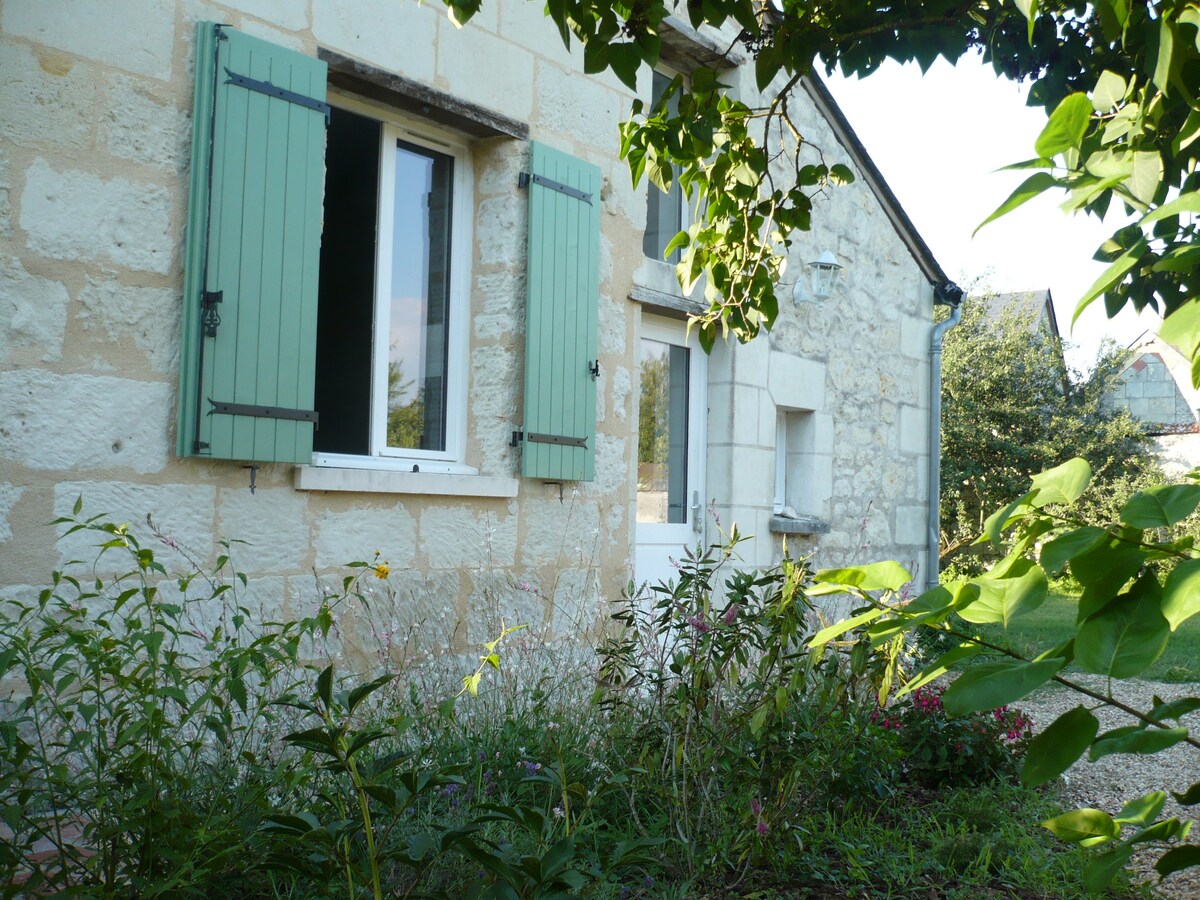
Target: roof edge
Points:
(844, 132)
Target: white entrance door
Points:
(672, 413)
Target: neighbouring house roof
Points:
(1036, 306)
(1156, 387)
(828, 107)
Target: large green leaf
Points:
(1054, 750)
(1136, 739)
(1178, 858)
(1058, 552)
(1062, 484)
(1181, 329)
(993, 528)
(1083, 825)
(1067, 126)
(1109, 91)
(993, 684)
(1190, 797)
(1125, 637)
(1019, 589)
(1103, 571)
(1146, 176)
(1181, 593)
(1112, 276)
(1165, 61)
(837, 629)
(1035, 184)
(1142, 811)
(940, 666)
(880, 576)
(1100, 871)
(1175, 709)
(1161, 505)
(1185, 203)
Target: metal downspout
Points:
(948, 294)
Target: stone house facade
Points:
(402, 176)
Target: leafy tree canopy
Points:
(1012, 408)
(1118, 78)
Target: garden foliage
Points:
(1012, 408)
(161, 738)
(1138, 587)
(1118, 81)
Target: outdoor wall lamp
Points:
(818, 286)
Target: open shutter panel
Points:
(253, 243)
(559, 437)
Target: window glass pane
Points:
(420, 299)
(664, 212)
(662, 434)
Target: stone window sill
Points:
(384, 481)
(799, 525)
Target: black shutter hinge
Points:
(561, 440)
(524, 178)
(280, 93)
(209, 317)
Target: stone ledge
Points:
(666, 304)
(799, 525)
(381, 481)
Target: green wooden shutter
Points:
(254, 232)
(559, 433)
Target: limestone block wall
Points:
(94, 145)
(855, 368)
(94, 151)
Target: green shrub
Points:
(941, 749)
(139, 755)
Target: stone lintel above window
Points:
(685, 48)
(355, 76)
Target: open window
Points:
(327, 274)
(392, 303)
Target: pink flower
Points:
(756, 806)
(731, 614)
(762, 829)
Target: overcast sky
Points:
(938, 140)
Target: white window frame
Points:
(451, 460)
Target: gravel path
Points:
(1111, 781)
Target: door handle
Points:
(697, 521)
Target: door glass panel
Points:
(662, 434)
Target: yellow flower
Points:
(381, 570)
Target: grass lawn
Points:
(1053, 623)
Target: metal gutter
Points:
(951, 295)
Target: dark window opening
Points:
(346, 293)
